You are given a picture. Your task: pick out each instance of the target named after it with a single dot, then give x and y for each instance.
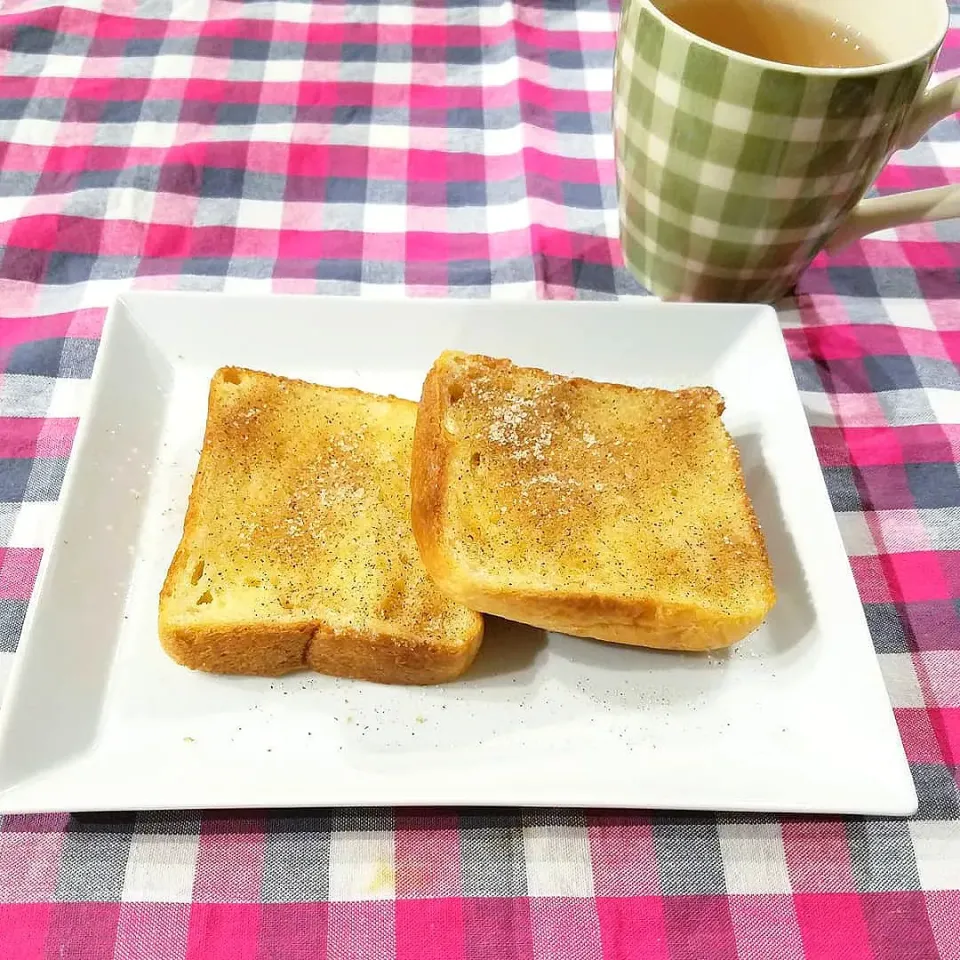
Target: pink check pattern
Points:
(451, 147)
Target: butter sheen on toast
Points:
(297, 550)
(593, 509)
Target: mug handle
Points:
(936, 203)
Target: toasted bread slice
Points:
(592, 509)
(297, 549)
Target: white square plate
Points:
(96, 717)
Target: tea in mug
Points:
(772, 30)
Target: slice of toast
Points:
(297, 550)
(592, 509)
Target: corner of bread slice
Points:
(196, 631)
(230, 376)
(247, 649)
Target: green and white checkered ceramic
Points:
(732, 172)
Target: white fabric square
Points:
(558, 861)
(395, 14)
(160, 868)
(595, 21)
(595, 80)
(282, 71)
(384, 218)
(523, 290)
(504, 217)
(498, 73)
(147, 133)
(69, 397)
(389, 135)
(945, 404)
(362, 865)
(173, 66)
(295, 12)
(503, 143)
(385, 72)
(908, 313)
(38, 133)
(259, 214)
(267, 133)
(900, 676)
(753, 858)
(34, 524)
(818, 409)
(857, 538)
(6, 665)
(936, 846)
(254, 285)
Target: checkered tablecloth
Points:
(444, 148)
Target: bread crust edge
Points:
(429, 477)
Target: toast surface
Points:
(297, 550)
(592, 509)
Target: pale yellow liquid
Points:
(773, 31)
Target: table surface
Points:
(457, 148)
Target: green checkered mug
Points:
(734, 172)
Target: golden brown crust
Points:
(248, 649)
(640, 624)
(548, 500)
(296, 549)
(388, 659)
(276, 650)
